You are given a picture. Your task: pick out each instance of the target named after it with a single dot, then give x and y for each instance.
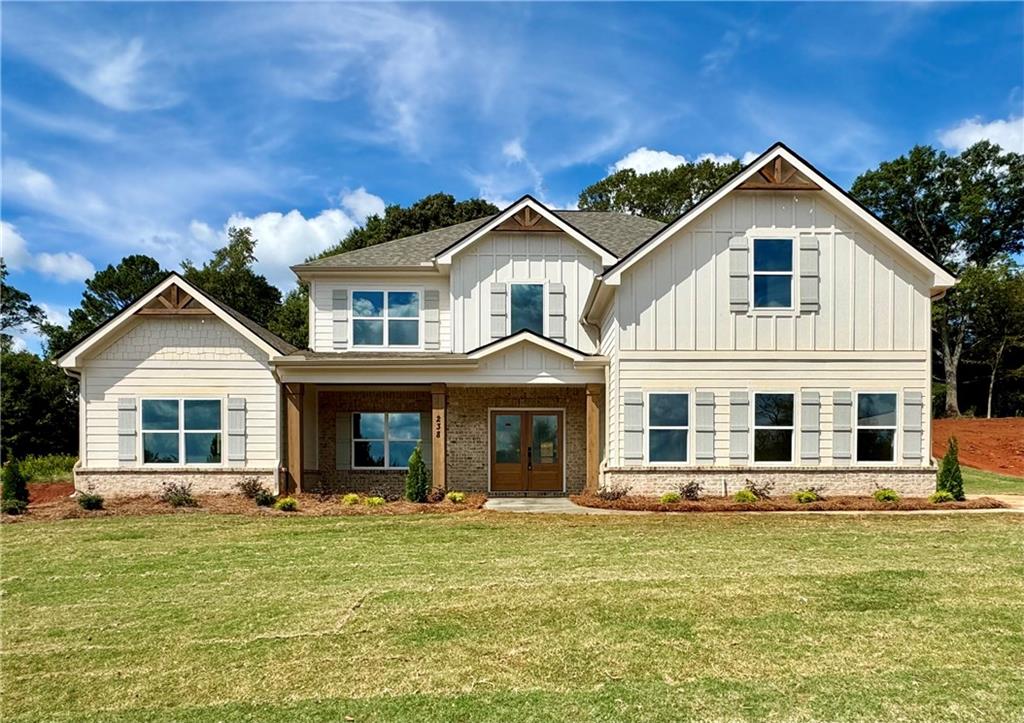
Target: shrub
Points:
(437, 494)
(89, 501)
(12, 507)
(250, 487)
(14, 483)
(264, 498)
(760, 490)
(806, 496)
(287, 504)
(350, 499)
(745, 496)
(385, 493)
(671, 497)
(940, 497)
(417, 479)
(615, 492)
(374, 501)
(691, 490)
(178, 494)
(48, 467)
(950, 478)
(456, 497)
(885, 494)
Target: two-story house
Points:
(776, 331)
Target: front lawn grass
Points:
(480, 616)
(977, 482)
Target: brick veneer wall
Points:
(469, 430)
(128, 481)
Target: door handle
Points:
(529, 458)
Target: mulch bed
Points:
(65, 508)
(782, 504)
(39, 492)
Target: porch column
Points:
(439, 434)
(595, 395)
(293, 394)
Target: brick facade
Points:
(128, 481)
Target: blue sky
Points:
(148, 128)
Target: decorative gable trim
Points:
(526, 215)
(527, 336)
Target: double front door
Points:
(526, 451)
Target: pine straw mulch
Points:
(783, 504)
(310, 505)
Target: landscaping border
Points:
(783, 504)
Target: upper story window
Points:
(773, 273)
(773, 427)
(386, 318)
(527, 308)
(176, 430)
(668, 426)
(876, 427)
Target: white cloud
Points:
(716, 158)
(514, 151)
(645, 160)
(362, 204)
(55, 314)
(63, 266)
(749, 158)
(1007, 133)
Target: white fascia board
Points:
(525, 337)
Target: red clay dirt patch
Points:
(993, 445)
(39, 492)
(782, 504)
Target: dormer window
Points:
(527, 308)
(386, 318)
(773, 273)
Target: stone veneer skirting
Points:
(128, 481)
(719, 481)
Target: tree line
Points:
(965, 211)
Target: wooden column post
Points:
(293, 394)
(438, 434)
(595, 396)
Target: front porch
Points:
(500, 440)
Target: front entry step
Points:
(520, 493)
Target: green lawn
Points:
(488, 617)
(977, 482)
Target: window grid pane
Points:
(384, 439)
(386, 318)
(773, 427)
(527, 308)
(876, 427)
(668, 421)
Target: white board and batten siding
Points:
(180, 358)
(677, 330)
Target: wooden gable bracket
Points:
(173, 301)
(527, 220)
(778, 175)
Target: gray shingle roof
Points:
(620, 233)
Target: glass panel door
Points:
(544, 465)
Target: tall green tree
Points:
(229, 277)
(17, 312)
(660, 195)
(964, 211)
(291, 319)
(108, 292)
(430, 212)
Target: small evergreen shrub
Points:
(250, 487)
(456, 497)
(760, 490)
(670, 498)
(287, 504)
(940, 497)
(90, 501)
(950, 479)
(264, 498)
(178, 494)
(417, 479)
(807, 496)
(885, 494)
(350, 499)
(14, 483)
(615, 492)
(745, 496)
(12, 507)
(374, 501)
(691, 490)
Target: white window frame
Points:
(753, 236)
(181, 431)
(648, 428)
(856, 426)
(384, 318)
(754, 426)
(386, 440)
(543, 284)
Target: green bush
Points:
(950, 478)
(264, 498)
(89, 501)
(806, 496)
(670, 498)
(940, 497)
(287, 504)
(178, 494)
(14, 484)
(745, 496)
(417, 479)
(887, 495)
(350, 499)
(250, 487)
(374, 501)
(12, 507)
(456, 497)
(48, 467)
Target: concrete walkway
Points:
(545, 505)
